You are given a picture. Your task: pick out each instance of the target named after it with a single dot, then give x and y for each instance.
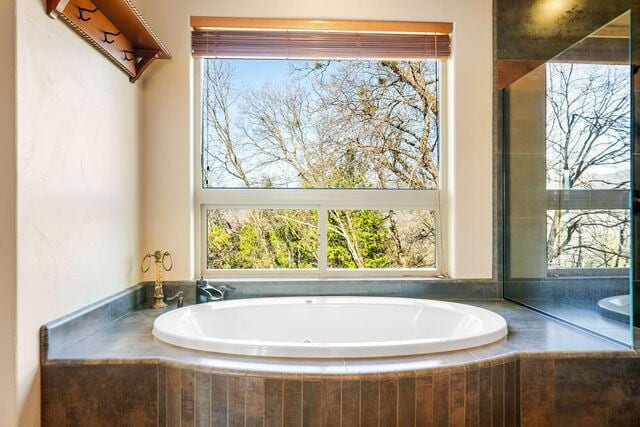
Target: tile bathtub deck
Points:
(129, 340)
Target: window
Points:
(587, 165)
(318, 165)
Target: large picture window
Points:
(321, 166)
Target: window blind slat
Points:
(319, 45)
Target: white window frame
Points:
(321, 200)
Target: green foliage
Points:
(367, 232)
(262, 239)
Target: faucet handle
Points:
(179, 296)
(227, 288)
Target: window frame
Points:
(320, 199)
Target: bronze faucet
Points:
(159, 258)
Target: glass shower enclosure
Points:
(568, 173)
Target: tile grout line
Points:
(281, 402)
(359, 402)
(340, 402)
(504, 394)
(379, 409)
(397, 380)
(449, 399)
(415, 401)
(464, 395)
(226, 412)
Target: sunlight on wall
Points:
(545, 14)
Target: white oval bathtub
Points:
(329, 327)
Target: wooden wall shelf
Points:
(115, 28)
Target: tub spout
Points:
(207, 293)
(177, 296)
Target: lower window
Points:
(381, 239)
(319, 241)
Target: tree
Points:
(349, 124)
(587, 147)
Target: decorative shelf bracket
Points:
(116, 29)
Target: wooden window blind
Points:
(298, 39)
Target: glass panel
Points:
(588, 239)
(587, 122)
(320, 124)
(567, 173)
(381, 239)
(262, 238)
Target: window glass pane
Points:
(262, 238)
(381, 239)
(588, 238)
(320, 124)
(588, 126)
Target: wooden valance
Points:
(299, 39)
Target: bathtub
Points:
(329, 327)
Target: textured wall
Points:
(529, 32)
(77, 172)
(7, 212)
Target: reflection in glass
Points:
(567, 179)
(587, 126)
(587, 239)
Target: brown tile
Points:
(424, 401)
(272, 402)
(162, 395)
(407, 401)
(518, 393)
(292, 403)
(388, 402)
(254, 401)
(369, 402)
(187, 391)
(472, 411)
(97, 394)
(597, 391)
(441, 399)
(202, 399)
(331, 404)
(510, 394)
(219, 397)
(537, 392)
(497, 395)
(311, 403)
(137, 391)
(173, 396)
(484, 394)
(236, 401)
(350, 404)
(457, 399)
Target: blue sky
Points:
(253, 73)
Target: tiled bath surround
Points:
(540, 375)
(528, 391)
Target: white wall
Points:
(167, 127)
(7, 213)
(78, 183)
